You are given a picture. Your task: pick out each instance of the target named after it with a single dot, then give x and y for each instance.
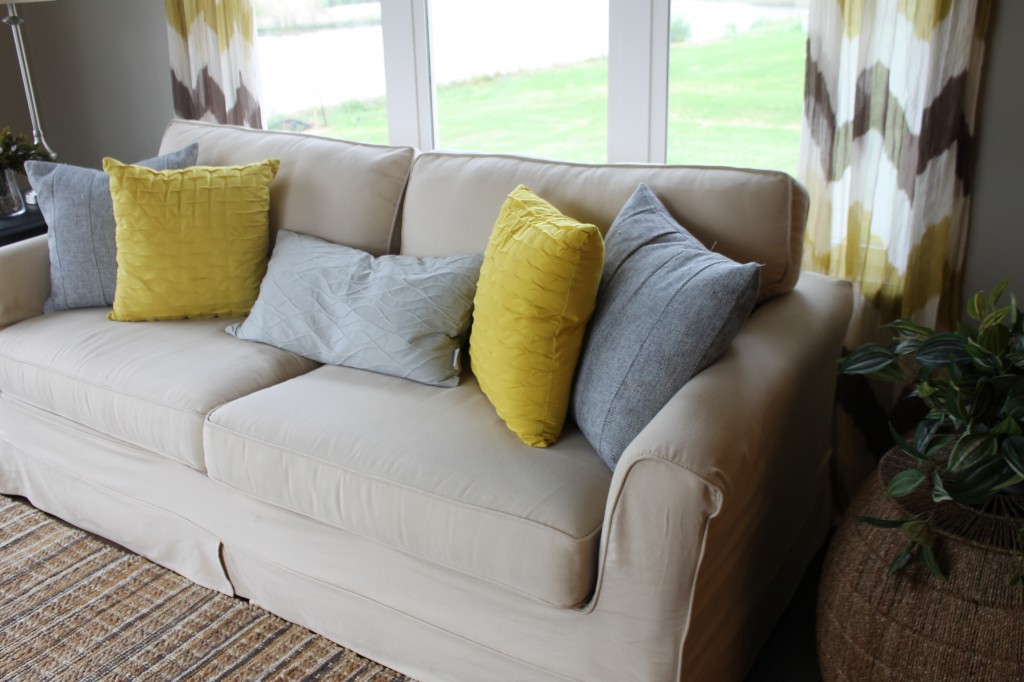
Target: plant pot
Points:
(11, 201)
(916, 626)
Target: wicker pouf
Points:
(917, 627)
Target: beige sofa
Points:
(405, 521)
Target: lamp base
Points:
(11, 202)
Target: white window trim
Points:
(638, 45)
(412, 116)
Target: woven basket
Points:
(916, 626)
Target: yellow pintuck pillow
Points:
(537, 288)
(190, 243)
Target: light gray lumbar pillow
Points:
(396, 315)
(79, 213)
(667, 307)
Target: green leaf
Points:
(920, 532)
(966, 330)
(1013, 452)
(908, 346)
(1014, 405)
(943, 350)
(872, 360)
(938, 443)
(905, 482)
(984, 359)
(953, 406)
(976, 306)
(984, 403)
(882, 523)
(933, 565)
(979, 484)
(924, 433)
(900, 562)
(994, 320)
(997, 292)
(903, 445)
(971, 449)
(910, 330)
(1013, 480)
(995, 338)
(1007, 427)
(939, 492)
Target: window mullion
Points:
(638, 44)
(410, 98)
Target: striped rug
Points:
(73, 607)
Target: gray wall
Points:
(995, 248)
(102, 76)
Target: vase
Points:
(916, 626)
(11, 201)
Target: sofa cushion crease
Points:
(347, 448)
(90, 370)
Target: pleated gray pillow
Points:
(666, 309)
(76, 204)
(397, 315)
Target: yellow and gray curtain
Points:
(889, 113)
(214, 72)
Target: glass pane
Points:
(736, 81)
(524, 77)
(322, 68)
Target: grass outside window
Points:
(737, 101)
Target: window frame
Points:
(638, 57)
(638, 78)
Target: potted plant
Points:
(969, 448)
(951, 488)
(15, 150)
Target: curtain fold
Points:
(890, 96)
(214, 71)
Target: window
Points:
(715, 82)
(322, 68)
(736, 77)
(508, 82)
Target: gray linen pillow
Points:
(396, 315)
(79, 213)
(666, 309)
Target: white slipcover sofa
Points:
(405, 521)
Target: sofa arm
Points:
(24, 280)
(729, 484)
(719, 423)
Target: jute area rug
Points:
(73, 607)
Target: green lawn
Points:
(737, 102)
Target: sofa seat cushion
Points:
(430, 471)
(147, 383)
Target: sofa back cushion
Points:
(453, 199)
(344, 192)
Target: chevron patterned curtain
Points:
(214, 73)
(889, 113)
